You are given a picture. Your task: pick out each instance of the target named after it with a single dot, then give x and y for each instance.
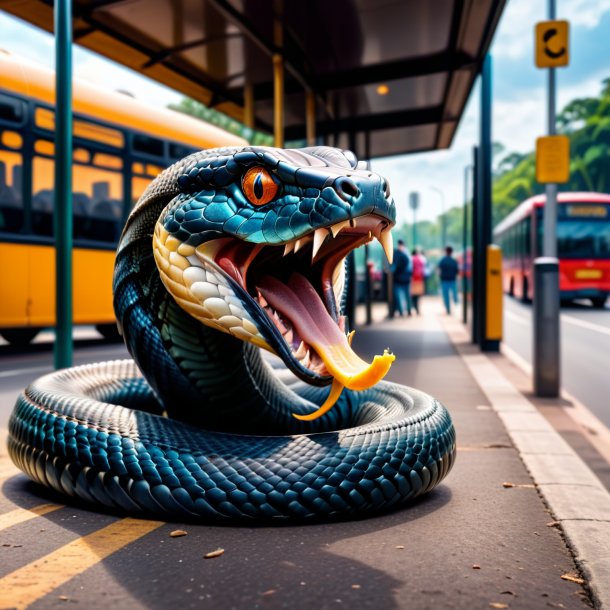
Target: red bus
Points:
(583, 246)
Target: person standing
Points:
(448, 269)
(401, 272)
(418, 277)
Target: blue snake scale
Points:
(200, 424)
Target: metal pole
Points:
(249, 105)
(278, 77)
(467, 170)
(546, 337)
(310, 117)
(63, 184)
(474, 240)
(484, 229)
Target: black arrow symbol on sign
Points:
(551, 33)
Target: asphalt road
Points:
(585, 350)
(20, 366)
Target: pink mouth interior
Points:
(299, 301)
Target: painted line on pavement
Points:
(525, 320)
(28, 584)
(34, 369)
(587, 325)
(511, 315)
(20, 515)
(576, 497)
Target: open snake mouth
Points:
(295, 287)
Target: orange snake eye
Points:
(258, 186)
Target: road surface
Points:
(585, 350)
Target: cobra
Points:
(231, 254)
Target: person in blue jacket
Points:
(448, 269)
(401, 270)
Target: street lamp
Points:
(443, 219)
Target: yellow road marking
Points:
(19, 515)
(28, 584)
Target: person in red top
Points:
(418, 277)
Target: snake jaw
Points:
(238, 271)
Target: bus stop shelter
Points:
(379, 78)
(382, 78)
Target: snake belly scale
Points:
(229, 254)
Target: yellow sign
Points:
(552, 44)
(553, 159)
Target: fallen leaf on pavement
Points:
(177, 533)
(573, 578)
(216, 553)
(498, 605)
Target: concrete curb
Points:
(576, 497)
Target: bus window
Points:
(12, 110)
(148, 145)
(11, 200)
(98, 133)
(528, 236)
(109, 161)
(96, 200)
(12, 139)
(42, 193)
(178, 151)
(44, 118)
(138, 186)
(143, 175)
(98, 193)
(81, 155)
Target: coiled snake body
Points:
(227, 252)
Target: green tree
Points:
(586, 121)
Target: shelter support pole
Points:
(467, 171)
(310, 117)
(249, 105)
(278, 77)
(63, 184)
(483, 228)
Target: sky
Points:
(519, 93)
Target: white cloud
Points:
(515, 35)
(585, 13)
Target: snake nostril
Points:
(385, 185)
(346, 188)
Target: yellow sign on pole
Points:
(552, 49)
(553, 159)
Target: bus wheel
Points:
(108, 331)
(599, 302)
(19, 336)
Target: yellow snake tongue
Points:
(301, 304)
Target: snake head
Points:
(255, 244)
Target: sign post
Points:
(552, 167)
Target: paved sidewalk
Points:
(504, 420)
(491, 535)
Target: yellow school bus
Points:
(120, 144)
